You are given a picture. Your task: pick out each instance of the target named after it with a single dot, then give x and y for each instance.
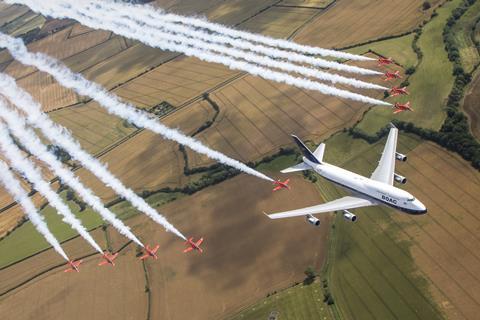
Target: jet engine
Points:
(400, 157)
(349, 216)
(400, 179)
(313, 221)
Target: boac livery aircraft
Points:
(373, 191)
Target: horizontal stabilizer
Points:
(299, 167)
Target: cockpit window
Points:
(411, 199)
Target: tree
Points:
(310, 275)
(426, 5)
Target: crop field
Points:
(390, 265)
(92, 126)
(471, 106)
(298, 302)
(357, 21)
(237, 230)
(68, 295)
(176, 82)
(210, 275)
(429, 85)
(147, 161)
(9, 13)
(279, 22)
(307, 3)
(258, 116)
(463, 31)
(24, 24)
(398, 48)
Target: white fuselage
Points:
(372, 190)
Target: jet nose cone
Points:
(422, 209)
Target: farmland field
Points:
(471, 106)
(385, 266)
(463, 31)
(429, 85)
(357, 21)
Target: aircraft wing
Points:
(344, 203)
(386, 166)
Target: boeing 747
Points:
(373, 191)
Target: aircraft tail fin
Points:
(315, 157)
(306, 152)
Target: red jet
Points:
(392, 75)
(73, 266)
(108, 259)
(402, 107)
(395, 91)
(193, 245)
(281, 185)
(384, 61)
(150, 252)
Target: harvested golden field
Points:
(95, 293)
(238, 236)
(92, 126)
(307, 3)
(47, 91)
(238, 239)
(279, 22)
(176, 82)
(59, 45)
(147, 161)
(127, 64)
(445, 242)
(9, 13)
(258, 116)
(350, 22)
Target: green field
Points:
(429, 86)
(26, 241)
(463, 31)
(400, 49)
(372, 274)
(297, 303)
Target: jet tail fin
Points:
(307, 153)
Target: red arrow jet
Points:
(281, 185)
(395, 91)
(384, 61)
(108, 259)
(193, 245)
(73, 266)
(402, 107)
(150, 252)
(392, 75)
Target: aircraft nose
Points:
(421, 207)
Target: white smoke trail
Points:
(117, 12)
(112, 104)
(11, 184)
(33, 174)
(124, 30)
(170, 33)
(34, 145)
(155, 13)
(62, 138)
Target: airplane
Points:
(73, 266)
(384, 61)
(108, 259)
(193, 245)
(150, 252)
(376, 190)
(281, 185)
(395, 91)
(392, 75)
(402, 107)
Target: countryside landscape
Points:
(387, 265)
